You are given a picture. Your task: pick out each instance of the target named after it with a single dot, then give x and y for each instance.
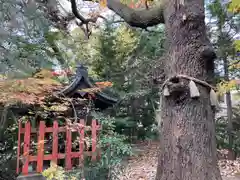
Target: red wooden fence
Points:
(68, 155)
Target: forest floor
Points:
(143, 165)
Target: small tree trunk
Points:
(231, 155)
(188, 146)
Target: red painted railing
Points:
(27, 131)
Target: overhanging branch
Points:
(141, 18)
(136, 17)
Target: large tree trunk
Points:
(188, 146)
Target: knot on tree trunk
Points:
(208, 56)
(207, 52)
(176, 85)
(177, 88)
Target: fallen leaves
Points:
(143, 166)
(229, 168)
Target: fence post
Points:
(55, 142)
(26, 147)
(81, 142)
(94, 137)
(40, 154)
(19, 144)
(68, 160)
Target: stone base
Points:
(31, 177)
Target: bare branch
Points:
(79, 16)
(86, 30)
(83, 20)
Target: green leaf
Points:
(237, 45)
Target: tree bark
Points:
(188, 146)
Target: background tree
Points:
(124, 57)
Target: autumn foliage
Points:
(225, 86)
(29, 91)
(34, 90)
(234, 6)
(104, 84)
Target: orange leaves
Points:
(100, 85)
(103, 3)
(28, 91)
(34, 90)
(139, 4)
(104, 84)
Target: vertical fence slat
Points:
(94, 139)
(40, 154)
(26, 147)
(98, 150)
(55, 142)
(19, 145)
(81, 142)
(68, 160)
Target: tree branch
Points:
(141, 18)
(135, 17)
(83, 20)
(79, 16)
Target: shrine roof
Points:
(81, 82)
(34, 90)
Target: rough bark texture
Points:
(188, 147)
